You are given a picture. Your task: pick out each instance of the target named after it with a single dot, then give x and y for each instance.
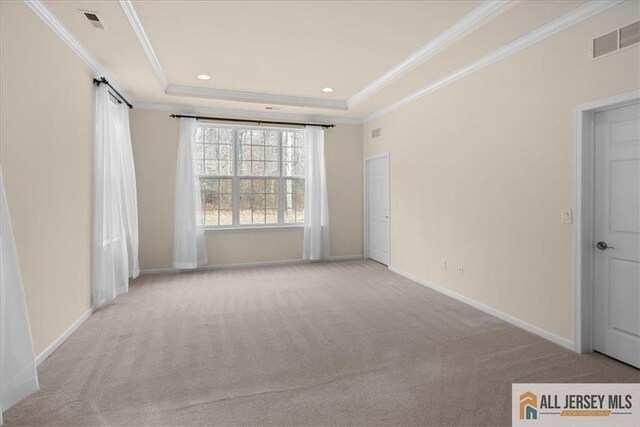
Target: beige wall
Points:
(46, 136)
(481, 169)
(155, 139)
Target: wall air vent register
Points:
(615, 40)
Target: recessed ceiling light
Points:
(203, 77)
(327, 90)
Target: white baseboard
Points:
(245, 265)
(489, 310)
(62, 338)
(345, 257)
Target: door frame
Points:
(584, 209)
(365, 203)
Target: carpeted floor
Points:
(345, 343)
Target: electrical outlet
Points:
(461, 269)
(444, 264)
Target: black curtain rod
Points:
(105, 81)
(266, 122)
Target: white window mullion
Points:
(235, 184)
(280, 181)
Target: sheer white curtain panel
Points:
(189, 250)
(129, 191)
(18, 375)
(316, 227)
(115, 218)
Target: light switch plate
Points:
(443, 263)
(566, 216)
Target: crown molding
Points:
(132, 16)
(476, 16)
(52, 21)
(246, 114)
(261, 98)
(49, 18)
(562, 23)
(472, 19)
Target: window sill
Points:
(254, 228)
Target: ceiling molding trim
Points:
(246, 114)
(137, 27)
(256, 97)
(211, 93)
(52, 21)
(567, 20)
(472, 19)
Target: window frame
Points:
(235, 180)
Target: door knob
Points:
(603, 246)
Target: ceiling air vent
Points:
(605, 44)
(93, 19)
(376, 132)
(630, 34)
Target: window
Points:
(250, 176)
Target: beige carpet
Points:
(318, 344)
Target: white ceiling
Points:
(282, 53)
(291, 48)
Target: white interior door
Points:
(617, 234)
(378, 204)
